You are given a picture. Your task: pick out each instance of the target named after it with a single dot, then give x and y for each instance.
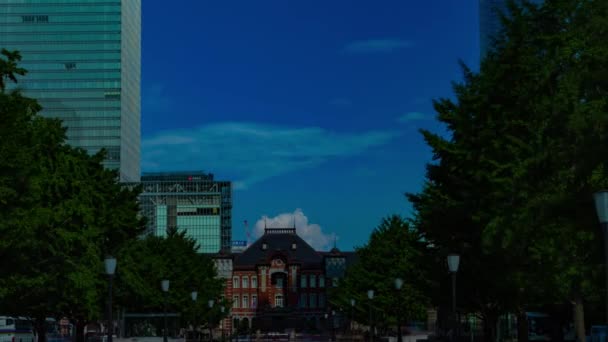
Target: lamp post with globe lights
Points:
(398, 285)
(210, 303)
(110, 265)
(333, 325)
(164, 285)
(453, 264)
(601, 207)
(222, 310)
(352, 314)
(194, 296)
(370, 296)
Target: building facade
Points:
(189, 201)
(83, 61)
(280, 282)
(490, 22)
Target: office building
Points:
(83, 58)
(490, 22)
(192, 202)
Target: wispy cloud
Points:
(252, 152)
(311, 233)
(413, 116)
(377, 45)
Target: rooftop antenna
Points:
(247, 232)
(294, 221)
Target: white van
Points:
(16, 329)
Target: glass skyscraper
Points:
(192, 202)
(83, 58)
(489, 21)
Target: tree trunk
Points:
(80, 325)
(579, 318)
(41, 329)
(490, 319)
(522, 326)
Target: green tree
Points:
(512, 186)
(144, 263)
(394, 250)
(61, 213)
(9, 67)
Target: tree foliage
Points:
(61, 212)
(394, 250)
(511, 186)
(145, 262)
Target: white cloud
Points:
(377, 45)
(250, 152)
(412, 116)
(311, 233)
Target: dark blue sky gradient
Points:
(343, 69)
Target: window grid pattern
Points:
(200, 207)
(278, 301)
(83, 56)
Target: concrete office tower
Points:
(192, 202)
(83, 58)
(489, 21)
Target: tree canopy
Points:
(511, 185)
(145, 262)
(395, 250)
(62, 213)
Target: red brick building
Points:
(279, 282)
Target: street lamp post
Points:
(210, 303)
(601, 206)
(222, 309)
(370, 296)
(352, 315)
(398, 285)
(333, 325)
(453, 263)
(164, 285)
(194, 296)
(110, 264)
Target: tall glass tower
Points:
(489, 21)
(83, 58)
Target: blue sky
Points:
(311, 105)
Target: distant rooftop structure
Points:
(279, 231)
(176, 176)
